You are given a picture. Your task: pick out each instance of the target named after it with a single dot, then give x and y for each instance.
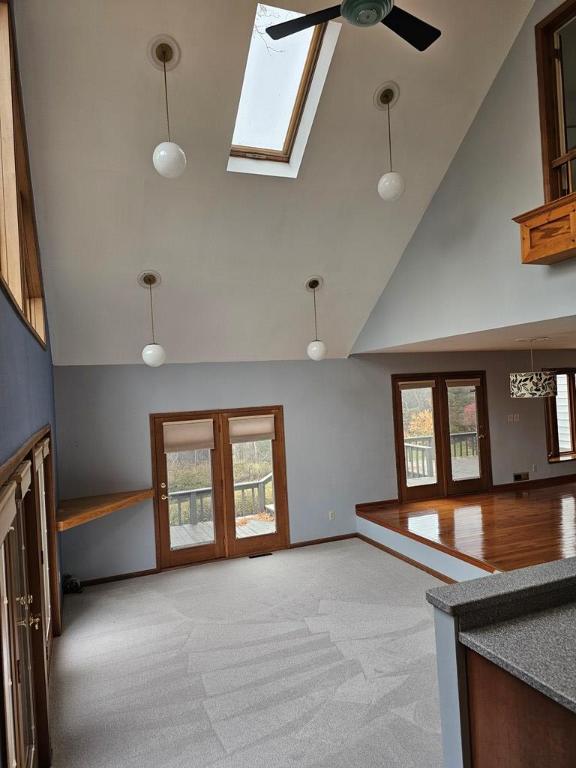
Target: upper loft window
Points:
(20, 274)
(556, 52)
(282, 84)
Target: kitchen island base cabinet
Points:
(512, 725)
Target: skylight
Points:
(276, 89)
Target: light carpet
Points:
(321, 656)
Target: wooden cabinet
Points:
(548, 233)
(514, 725)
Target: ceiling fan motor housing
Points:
(365, 13)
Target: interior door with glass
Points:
(418, 438)
(190, 524)
(255, 482)
(466, 442)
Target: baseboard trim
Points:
(405, 559)
(137, 574)
(528, 485)
(374, 506)
(312, 542)
(118, 577)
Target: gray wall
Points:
(26, 392)
(339, 437)
(461, 272)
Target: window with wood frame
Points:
(556, 55)
(276, 84)
(20, 273)
(561, 417)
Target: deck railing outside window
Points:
(195, 505)
(419, 452)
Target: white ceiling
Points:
(234, 250)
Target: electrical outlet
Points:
(510, 418)
(331, 515)
(516, 418)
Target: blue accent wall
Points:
(26, 383)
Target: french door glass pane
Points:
(253, 476)
(463, 425)
(190, 498)
(563, 414)
(419, 439)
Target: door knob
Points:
(164, 497)
(31, 621)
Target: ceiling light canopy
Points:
(168, 158)
(317, 349)
(533, 384)
(153, 354)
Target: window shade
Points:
(463, 382)
(246, 429)
(416, 384)
(188, 435)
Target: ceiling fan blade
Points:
(303, 22)
(415, 31)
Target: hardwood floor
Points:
(504, 530)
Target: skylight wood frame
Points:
(20, 271)
(284, 155)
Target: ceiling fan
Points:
(365, 13)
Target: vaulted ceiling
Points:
(234, 250)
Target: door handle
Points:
(164, 497)
(31, 621)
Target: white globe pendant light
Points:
(168, 158)
(317, 349)
(391, 185)
(153, 354)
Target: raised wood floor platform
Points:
(495, 531)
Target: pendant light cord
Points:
(389, 139)
(166, 100)
(315, 317)
(152, 316)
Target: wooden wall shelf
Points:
(548, 233)
(73, 512)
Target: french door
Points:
(441, 434)
(220, 481)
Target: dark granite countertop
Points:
(538, 648)
(525, 589)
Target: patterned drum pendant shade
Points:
(533, 383)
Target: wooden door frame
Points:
(457, 487)
(444, 487)
(165, 558)
(274, 541)
(40, 645)
(416, 493)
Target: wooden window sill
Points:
(561, 459)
